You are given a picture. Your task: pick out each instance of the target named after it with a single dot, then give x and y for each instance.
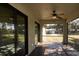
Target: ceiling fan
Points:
(55, 15)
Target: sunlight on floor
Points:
(54, 47)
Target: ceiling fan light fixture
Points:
(54, 17)
(54, 14)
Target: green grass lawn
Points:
(21, 38)
(10, 37)
(7, 46)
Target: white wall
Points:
(31, 26)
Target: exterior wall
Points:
(31, 24)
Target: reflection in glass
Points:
(6, 36)
(21, 34)
(12, 31)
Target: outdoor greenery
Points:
(73, 33)
(7, 36)
(54, 28)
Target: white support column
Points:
(65, 33)
(41, 26)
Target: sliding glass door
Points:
(13, 35)
(6, 36)
(6, 31)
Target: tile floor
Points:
(54, 49)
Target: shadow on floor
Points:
(38, 51)
(54, 49)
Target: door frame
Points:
(39, 40)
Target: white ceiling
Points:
(44, 10)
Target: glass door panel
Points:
(6, 36)
(21, 34)
(12, 31)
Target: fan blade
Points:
(59, 17)
(61, 14)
